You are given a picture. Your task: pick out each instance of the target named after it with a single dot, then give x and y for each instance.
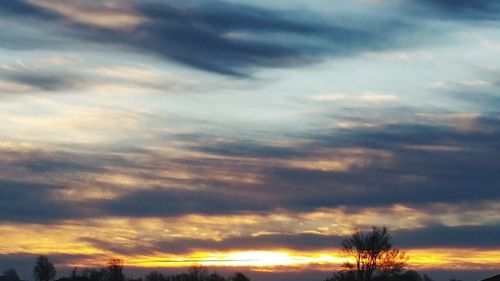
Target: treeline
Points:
(44, 270)
(372, 258)
(403, 275)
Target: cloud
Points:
(413, 176)
(449, 237)
(463, 5)
(466, 83)
(390, 55)
(220, 37)
(373, 97)
(10, 86)
(366, 97)
(457, 9)
(232, 39)
(28, 202)
(229, 38)
(425, 237)
(111, 14)
(413, 162)
(405, 163)
(58, 60)
(20, 78)
(27, 78)
(174, 202)
(250, 149)
(44, 81)
(476, 94)
(140, 78)
(262, 242)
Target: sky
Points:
(249, 135)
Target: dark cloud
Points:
(174, 202)
(235, 39)
(487, 101)
(45, 82)
(38, 161)
(436, 160)
(251, 149)
(228, 38)
(31, 202)
(53, 165)
(21, 8)
(460, 9)
(28, 27)
(462, 5)
(427, 164)
(450, 236)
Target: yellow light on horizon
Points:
(257, 260)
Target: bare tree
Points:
(198, 273)
(115, 270)
(372, 253)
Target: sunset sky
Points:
(251, 135)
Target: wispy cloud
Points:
(256, 37)
(367, 97)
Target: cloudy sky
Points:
(251, 134)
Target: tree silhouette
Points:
(373, 254)
(198, 273)
(214, 276)
(238, 276)
(74, 273)
(155, 276)
(10, 275)
(92, 274)
(115, 270)
(44, 270)
(180, 277)
(343, 275)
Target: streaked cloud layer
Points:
(247, 133)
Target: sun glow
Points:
(258, 260)
(323, 260)
(275, 261)
(288, 260)
(272, 258)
